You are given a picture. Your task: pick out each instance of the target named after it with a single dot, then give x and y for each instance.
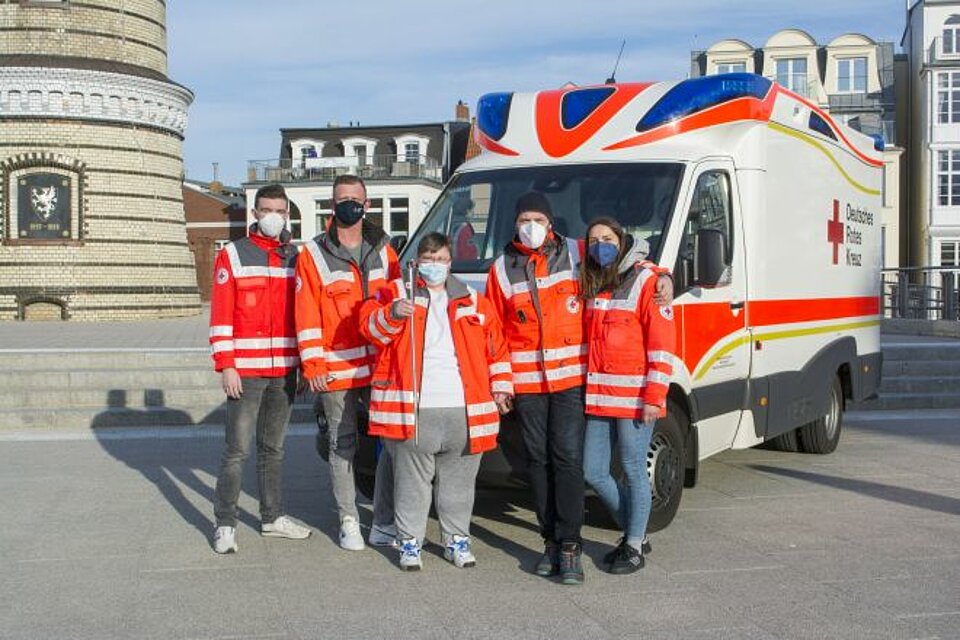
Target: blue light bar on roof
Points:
(697, 94)
(579, 104)
(493, 112)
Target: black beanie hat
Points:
(533, 201)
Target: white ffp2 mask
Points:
(532, 234)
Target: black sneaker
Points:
(571, 569)
(627, 560)
(609, 557)
(549, 564)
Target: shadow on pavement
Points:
(167, 474)
(891, 493)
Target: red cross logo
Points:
(835, 231)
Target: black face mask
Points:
(348, 212)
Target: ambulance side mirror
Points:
(709, 260)
(398, 243)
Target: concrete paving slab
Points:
(112, 541)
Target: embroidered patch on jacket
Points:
(573, 304)
(667, 312)
(222, 275)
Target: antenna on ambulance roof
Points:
(613, 75)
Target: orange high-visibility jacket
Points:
(481, 353)
(536, 295)
(331, 286)
(251, 308)
(631, 342)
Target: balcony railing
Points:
(378, 167)
(921, 293)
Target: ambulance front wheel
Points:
(665, 466)
(823, 434)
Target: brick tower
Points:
(91, 166)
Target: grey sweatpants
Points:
(442, 456)
(341, 409)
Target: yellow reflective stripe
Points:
(780, 335)
(817, 145)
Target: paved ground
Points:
(106, 537)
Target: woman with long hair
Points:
(630, 342)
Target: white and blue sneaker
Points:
(410, 555)
(458, 552)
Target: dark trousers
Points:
(263, 409)
(553, 427)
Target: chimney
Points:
(215, 187)
(463, 111)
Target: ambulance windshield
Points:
(477, 208)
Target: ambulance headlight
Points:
(493, 112)
(697, 94)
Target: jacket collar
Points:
(455, 288)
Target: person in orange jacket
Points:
(631, 344)
(336, 272)
(438, 414)
(536, 293)
(254, 347)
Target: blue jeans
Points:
(628, 501)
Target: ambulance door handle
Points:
(736, 306)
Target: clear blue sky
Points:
(258, 66)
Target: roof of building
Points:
(230, 196)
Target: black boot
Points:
(571, 569)
(549, 564)
(609, 557)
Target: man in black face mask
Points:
(336, 272)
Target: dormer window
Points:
(852, 75)
(792, 74)
(731, 67)
(950, 43)
(412, 148)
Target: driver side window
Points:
(710, 209)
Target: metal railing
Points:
(921, 293)
(389, 167)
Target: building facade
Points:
(403, 166)
(215, 215)
(91, 168)
(852, 78)
(931, 41)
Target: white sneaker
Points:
(225, 540)
(458, 552)
(383, 535)
(410, 555)
(284, 527)
(350, 537)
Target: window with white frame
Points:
(948, 177)
(792, 74)
(950, 253)
(950, 42)
(731, 67)
(852, 75)
(412, 148)
(948, 97)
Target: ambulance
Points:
(764, 208)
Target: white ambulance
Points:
(765, 209)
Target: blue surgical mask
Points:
(433, 273)
(604, 253)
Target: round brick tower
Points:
(91, 166)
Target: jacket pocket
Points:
(342, 296)
(251, 302)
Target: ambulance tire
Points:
(665, 466)
(823, 434)
(788, 442)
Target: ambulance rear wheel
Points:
(823, 434)
(786, 442)
(665, 466)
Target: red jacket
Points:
(251, 310)
(631, 345)
(481, 353)
(331, 286)
(536, 295)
